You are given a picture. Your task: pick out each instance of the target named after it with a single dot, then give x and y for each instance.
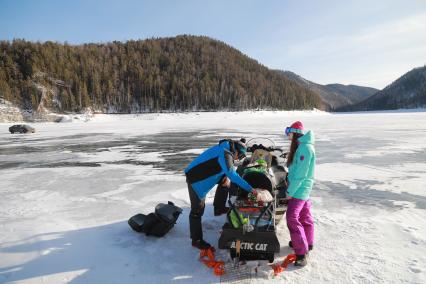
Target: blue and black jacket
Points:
(211, 167)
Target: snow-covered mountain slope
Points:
(334, 95)
(408, 91)
(68, 189)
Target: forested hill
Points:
(408, 91)
(334, 96)
(165, 74)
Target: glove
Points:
(226, 182)
(252, 196)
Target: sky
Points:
(368, 43)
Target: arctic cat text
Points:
(251, 246)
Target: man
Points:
(213, 166)
(223, 190)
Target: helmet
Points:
(296, 127)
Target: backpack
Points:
(158, 223)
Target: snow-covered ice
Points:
(67, 191)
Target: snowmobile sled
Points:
(250, 230)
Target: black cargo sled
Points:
(158, 223)
(250, 230)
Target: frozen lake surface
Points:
(67, 191)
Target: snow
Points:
(68, 189)
(9, 112)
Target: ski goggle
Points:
(289, 130)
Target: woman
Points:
(301, 165)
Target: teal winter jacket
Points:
(302, 169)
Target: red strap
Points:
(208, 258)
(249, 209)
(278, 268)
(289, 259)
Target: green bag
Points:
(260, 166)
(235, 219)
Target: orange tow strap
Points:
(208, 258)
(278, 268)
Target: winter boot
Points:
(301, 260)
(200, 244)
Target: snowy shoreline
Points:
(86, 117)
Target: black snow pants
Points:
(197, 211)
(198, 206)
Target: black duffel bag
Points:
(158, 223)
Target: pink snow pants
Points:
(300, 224)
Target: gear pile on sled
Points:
(251, 223)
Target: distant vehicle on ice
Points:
(21, 128)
